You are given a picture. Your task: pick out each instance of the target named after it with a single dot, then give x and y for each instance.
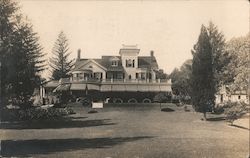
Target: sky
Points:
(170, 28)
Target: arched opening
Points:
(117, 100)
(132, 100)
(146, 100)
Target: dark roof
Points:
(78, 63)
(147, 62)
(105, 61)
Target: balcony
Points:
(121, 81)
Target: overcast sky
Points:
(167, 27)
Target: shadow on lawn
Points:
(222, 118)
(56, 124)
(240, 127)
(35, 146)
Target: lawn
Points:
(127, 132)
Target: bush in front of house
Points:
(218, 110)
(234, 110)
(161, 98)
(40, 114)
(36, 114)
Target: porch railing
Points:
(75, 79)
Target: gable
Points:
(91, 64)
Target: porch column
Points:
(153, 75)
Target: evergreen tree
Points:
(221, 58)
(202, 78)
(21, 54)
(26, 61)
(59, 62)
(7, 12)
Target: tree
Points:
(21, 53)
(181, 79)
(238, 69)
(7, 10)
(59, 62)
(174, 76)
(202, 78)
(220, 56)
(234, 111)
(27, 61)
(161, 75)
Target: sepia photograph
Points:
(125, 79)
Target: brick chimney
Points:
(78, 54)
(151, 53)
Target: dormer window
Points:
(114, 63)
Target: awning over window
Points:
(143, 88)
(93, 87)
(131, 88)
(118, 88)
(105, 88)
(62, 87)
(75, 86)
(83, 86)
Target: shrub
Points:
(37, 114)
(186, 108)
(167, 110)
(162, 98)
(219, 110)
(234, 110)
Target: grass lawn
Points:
(127, 132)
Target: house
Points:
(126, 77)
(128, 66)
(224, 95)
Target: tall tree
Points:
(27, 61)
(202, 78)
(220, 56)
(7, 12)
(60, 63)
(21, 53)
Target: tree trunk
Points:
(205, 116)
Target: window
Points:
(137, 75)
(143, 76)
(130, 63)
(114, 63)
(98, 75)
(239, 97)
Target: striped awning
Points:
(75, 86)
(105, 88)
(84, 86)
(118, 88)
(62, 87)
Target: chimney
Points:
(151, 53)
(79, 54)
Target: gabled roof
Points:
(80, 63)
(105, 61)
(147, 62)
